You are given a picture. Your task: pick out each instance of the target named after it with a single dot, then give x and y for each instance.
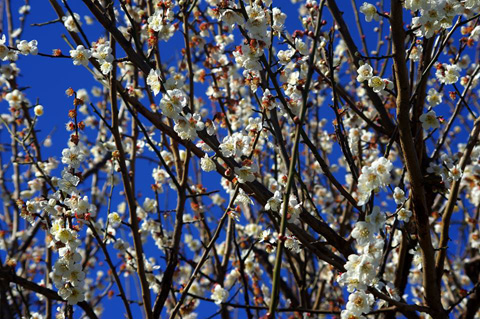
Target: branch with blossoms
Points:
(222, 162)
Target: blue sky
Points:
(47, 79)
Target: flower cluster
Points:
(63, 212)
(435, 15)
(362, 268)
(448, 169)
(372, 178)
(379, 85)
(67, 272)
(23, 47)
(230, 105)
(160, 22)
(447, 74)
(102, 52)
(187, 126)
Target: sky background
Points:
(47, 79)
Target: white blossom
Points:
(429, 120)
(80, 55)
(365, 73)
(207, 164)
(219, 294)
(27, 48)
(404, 215)
(369, 11)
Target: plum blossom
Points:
(429, 120)
(363, 232)
(73, 156)
(365, 73)
(68, 182)
(219, 294)
(207, 164)
(15, 98)
(449, 74)
(377, 84)
(369, 11)
(245, 173)
(69, 22)
(404, 215)
(231, 17)
(274, 202)
(173, 102)
(38, 110)
(3, 48)
(153, 81)
(399, 196)
(359, 302)
(27, 48)
(434, 97)
(80, 55)
(188, 125)
(373, 177)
